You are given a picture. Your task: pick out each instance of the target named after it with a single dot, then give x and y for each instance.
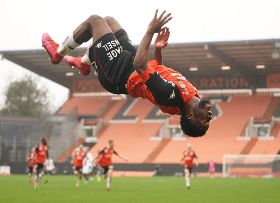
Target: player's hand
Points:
(126, 159)
(159, 21)
(71, 162)
(162, 38)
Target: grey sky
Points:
(23, 23)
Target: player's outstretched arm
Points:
(141, 58)
(161, 42)
(122, 157)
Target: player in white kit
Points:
(88, 164)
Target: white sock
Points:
(67, 46)
(36, 178)
(108, 182)
(98, 173)
(79, 180)
(85, 59)
(187, 180)
(29, 175)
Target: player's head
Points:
(195, 120)
(43, 141)
(189, 146)
(86, 150)
(111, 143)
(33, 149)
(81, 147)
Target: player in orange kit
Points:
(42, 152)
(121, 69)
(187, 160)
(31, 163)
(106, 161)
(77, 160)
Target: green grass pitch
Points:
(62, 189)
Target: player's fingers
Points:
(163, 28)
(167, 35)
(165, 17)
(156, 13)
(166, 21)
(161, 14)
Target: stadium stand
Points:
(158, 149)
(70, 150)
(133, 140)
(85, 105)
(250, 145)
(267, 146)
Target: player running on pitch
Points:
(122, 70)
(88, 164)
(42, 152)
(31, 163)
(106, 161)
(77, 160)
(188, 156)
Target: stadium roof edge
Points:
(175, 43)
(207, 57)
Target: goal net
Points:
(251, 165)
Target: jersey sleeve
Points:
(115, 152)
(101, 151)
(165, 92)
(194, 155)
(36, 148)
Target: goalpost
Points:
(251, 165)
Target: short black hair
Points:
(111, 141)
(44, 141)
(190, 128)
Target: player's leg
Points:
(94, 27)
(98, 173)
(37, 172)
(86, 175)
(30, 169)
(79, 177)
(187, 176)
(120, 34)
(109, 178)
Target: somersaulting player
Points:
(122, 69)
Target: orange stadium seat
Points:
(267, 146)
(85, 105)
(132, 139)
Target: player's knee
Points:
(109, 19)
(94, 19)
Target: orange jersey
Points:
(41, 153)
(163, 86)
(32, 159)
(106, 159)
(79, 156)
(188, 158)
